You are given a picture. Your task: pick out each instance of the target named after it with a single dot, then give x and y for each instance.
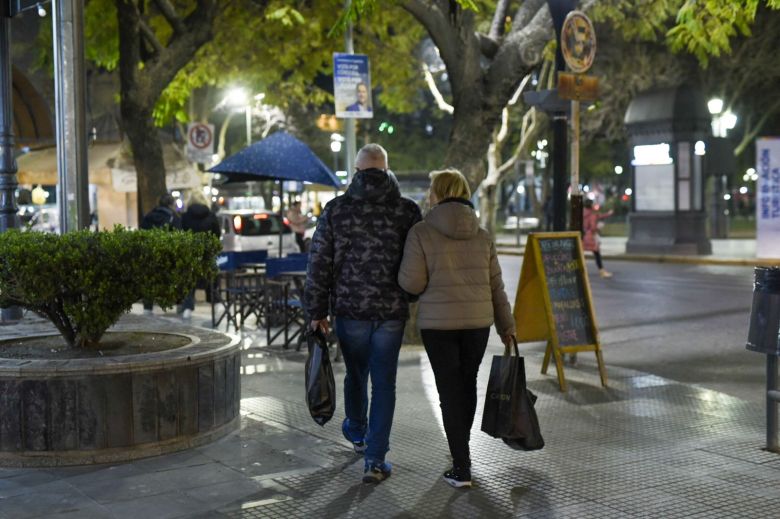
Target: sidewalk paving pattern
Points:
(644, 447)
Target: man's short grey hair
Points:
(372, 152)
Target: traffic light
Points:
(385, 126)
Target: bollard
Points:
(764, 337)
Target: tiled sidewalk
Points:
(724, 252)
(644, 447)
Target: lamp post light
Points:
(722, 121)
(335, 147)
(238, 98)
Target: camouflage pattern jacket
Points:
(356, 251)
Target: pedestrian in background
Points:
(297, 224)
(198, 218)
(161, 217)
(352, 275)
(164, 215)
(591, 233)
(452, 263)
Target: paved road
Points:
(687, 323)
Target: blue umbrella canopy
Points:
(278, 157)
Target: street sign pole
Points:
(577, 41)
(575, 217)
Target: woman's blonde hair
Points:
(449, 183)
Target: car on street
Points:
(246, 230)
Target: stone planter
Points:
(98, 410)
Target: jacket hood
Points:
(374, 185)
(454, 218)
(198, 210)
(160, 216)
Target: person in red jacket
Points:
(591, 239)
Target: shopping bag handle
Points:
(508, 350)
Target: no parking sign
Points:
(200, 142)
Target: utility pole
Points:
(349, 125)
(70, 92)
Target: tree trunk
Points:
(468, 144)
(146, 68)
(147, 157)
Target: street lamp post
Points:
(335, 147)
(9, 218)
(238, 98)
(720, 163)
(336, 140)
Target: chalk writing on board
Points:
(565, 286)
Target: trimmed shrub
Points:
(84, 281)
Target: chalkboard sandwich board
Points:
(553, 301)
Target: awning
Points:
(109, 164)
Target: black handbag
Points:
(509, 411)
(320, 384)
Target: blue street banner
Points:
(352, 86)
(768, 197)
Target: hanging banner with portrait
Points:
(352, 86)
(768, 197)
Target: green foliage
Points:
(277, 50)
(643, 21)
(703, 28)
(300, 48)
(100, 33)
(706, 31)
(84, 281)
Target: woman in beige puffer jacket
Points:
(452, 264)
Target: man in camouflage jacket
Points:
(352, 274)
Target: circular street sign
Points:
(578, 42)
(200, 136)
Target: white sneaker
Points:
(187, 314)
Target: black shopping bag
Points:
(509, 406)
(320, 384)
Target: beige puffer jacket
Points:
(452, 264)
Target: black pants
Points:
(599, 263)
(299, 240)
(455, 356)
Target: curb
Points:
(690, 260)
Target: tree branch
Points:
(182, 47)
(431, 82)
(520, 50)
(169, 12)
(149, 35)
(487, 45)
(453, 35)
(750, 135)
(525, 13)
(527, 134)
(499, 19)
(437, 25)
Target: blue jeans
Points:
(370, 348)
